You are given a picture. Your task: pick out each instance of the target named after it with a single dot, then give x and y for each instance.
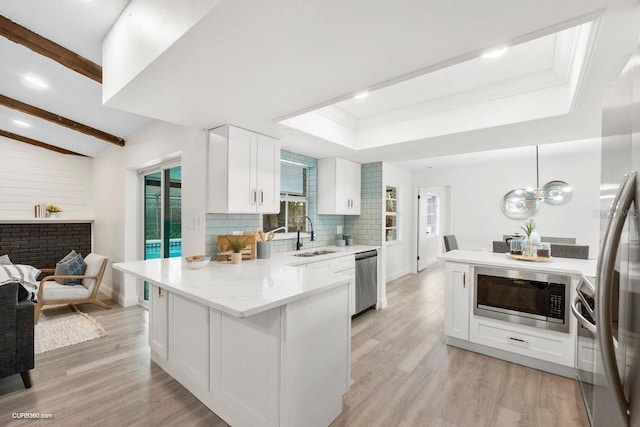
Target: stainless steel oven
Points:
(586, 346)
(524, 297)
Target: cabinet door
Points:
(158, 323)
(456, 300)
(268, 174)
(242, 162)
(341, 178)
(353, 188)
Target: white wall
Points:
(117, 197)
(478, 188)
(144, 30)
(399, 256)
(32, 175)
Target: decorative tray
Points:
(528, 258)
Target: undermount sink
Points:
(314, 253)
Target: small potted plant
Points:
(53, 211)
(236, 245)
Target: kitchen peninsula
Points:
(514, 310)
(260, 343)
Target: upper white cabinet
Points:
(338, 187)
(243, 172)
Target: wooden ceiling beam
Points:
(37, 143)
(59, 120)
(27, 38)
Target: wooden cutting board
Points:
(249, 251)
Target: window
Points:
(391, 215)
(433, 215)
(294, 201)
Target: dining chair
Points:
(450, 242)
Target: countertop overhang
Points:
(585, 267)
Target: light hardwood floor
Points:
(404, 376)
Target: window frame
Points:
(435, 197)
(286, 197)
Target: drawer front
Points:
(343, 263)
(550, 346)
(324, 266)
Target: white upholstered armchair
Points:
(52, 292)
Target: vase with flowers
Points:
(53, 211)
(532, 237)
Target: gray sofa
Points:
(16, 332)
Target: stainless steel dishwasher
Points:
(366, 280)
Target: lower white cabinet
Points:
(287, 366)
(158, 321)
(343, 265)
(456, 300)
(189, 341)
(542, 344)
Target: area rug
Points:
(65, 325)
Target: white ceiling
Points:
(532, 80)
(253, 63)
(79, 26)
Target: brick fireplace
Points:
(43, 244)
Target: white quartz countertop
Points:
(290, 258)
(554, 265)
(247, 288)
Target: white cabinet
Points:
(338, 187)
(456, 300)
(344, 265)
(551, 346)
(243, 172)
(158, 322)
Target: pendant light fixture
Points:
(523, 203)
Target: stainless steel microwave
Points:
(523, 297)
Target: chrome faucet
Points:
(275, 230)
(298, 242)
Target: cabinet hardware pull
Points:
(520, 340)
(261, 197)
(464, 280)
(160, 293)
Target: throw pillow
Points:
(4, 260)
(70, 265)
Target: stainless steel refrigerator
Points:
(608, 307)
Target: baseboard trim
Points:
(400, 273)
(530, 362)
(108, 290)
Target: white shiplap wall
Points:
(32, 175)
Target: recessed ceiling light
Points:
(361, 95)
(35, 82)
(495, 53)
(21, 123)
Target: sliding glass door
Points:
(162, 208)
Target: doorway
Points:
(162, 216)
(433, 223)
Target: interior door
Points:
(433, 213)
